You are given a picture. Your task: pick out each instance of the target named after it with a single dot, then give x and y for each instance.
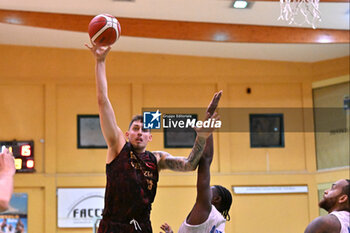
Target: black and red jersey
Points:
(131, 187)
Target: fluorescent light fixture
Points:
(240, 4)
(220, 37)
(324, 39)
(269, 189)
(13, 20)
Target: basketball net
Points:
(300, 12)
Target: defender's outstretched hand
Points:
(210, 115)
(214, 103)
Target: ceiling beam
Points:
(181, 30)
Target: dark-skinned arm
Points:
(324, 224)
(202, 207)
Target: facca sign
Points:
(79, 207)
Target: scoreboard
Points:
(23, 152)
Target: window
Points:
(266, 130)
(176, 136)
(89, 132)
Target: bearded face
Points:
(327, 203)
(330, 200)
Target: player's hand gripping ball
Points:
(104, 30)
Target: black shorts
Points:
(107, 226)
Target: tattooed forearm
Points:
(167, 161)
(175, 164)
(196, 153)
(184, 164)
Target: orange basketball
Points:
(104, 29)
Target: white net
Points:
(96, 224)
(300, 11)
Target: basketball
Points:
(104, 29)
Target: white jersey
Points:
(344, 219)
(215, 223)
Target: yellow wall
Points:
(43, 89)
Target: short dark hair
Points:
(136, 118)
(346, 188)
(226, 201)
(346, 191)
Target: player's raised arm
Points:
(167, 161)
(112, 133)
(202, 207)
